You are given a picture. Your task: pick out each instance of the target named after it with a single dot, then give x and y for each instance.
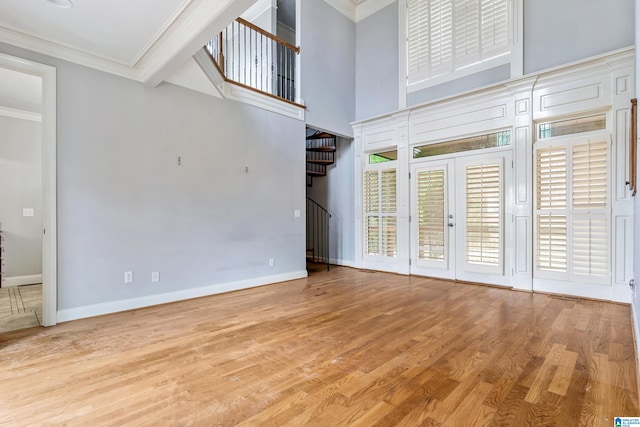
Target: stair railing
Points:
(253, 58)
(318, 219)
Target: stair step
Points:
(321, 162)
(320, 135)
(315, 173)
(324, 149)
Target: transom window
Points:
(490, 140)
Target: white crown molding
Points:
(20, 114)
(369, 7)
(192, 30)
(358, 10)
(188, 30)
(65, 53)
(185, 4)
(346, 7)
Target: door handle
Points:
(450, 224)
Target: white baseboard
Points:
(31, 279)
(343, 262)
(149, 300)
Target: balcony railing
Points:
(251, 57)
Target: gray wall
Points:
(556, 33)
(335, 192)
(377, 63)
(125, 204)
(327, 66)
(21, 187)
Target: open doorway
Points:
(330, 165)
(21, 196)
(27, 193)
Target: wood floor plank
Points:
(344, 347)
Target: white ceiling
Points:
(139, 39)
(145, 40)
(117, 30)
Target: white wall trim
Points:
(49, 197)
(150, 300)
(344, 262)
(31, 279)
(369, 7)
(20, 114)
(360, 11)
(346, 7)
(259, 100)
(241, 94)
(66, 53)
(189, 28)
(258, 8)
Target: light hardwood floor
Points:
(20, 307)
(344, 347)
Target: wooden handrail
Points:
(255, 62)
(277, 39)
(633, 144)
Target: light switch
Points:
(296, 213)
(27, 211)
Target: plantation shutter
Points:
(441, 37)
(573, 219)
(417, 40)
(551, 184)
(467, 34)
(495, 28)
(371, 202)
(484, 215)
(389, 243)
(446, 35)
(590, 228)
(380, 206)
(432, 221)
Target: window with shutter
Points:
(432, 222)
(572, 210)
(444, 36)
(379, 204)
(484, 215)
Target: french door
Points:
(458, 219)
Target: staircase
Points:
(318, 219)
(321, 150)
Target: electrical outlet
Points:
(272, 262)
(155, 276)
(128, 277)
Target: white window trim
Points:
(515, 57)
(379, 167)
(570, 277)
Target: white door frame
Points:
(454, 167)
(49, 223)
